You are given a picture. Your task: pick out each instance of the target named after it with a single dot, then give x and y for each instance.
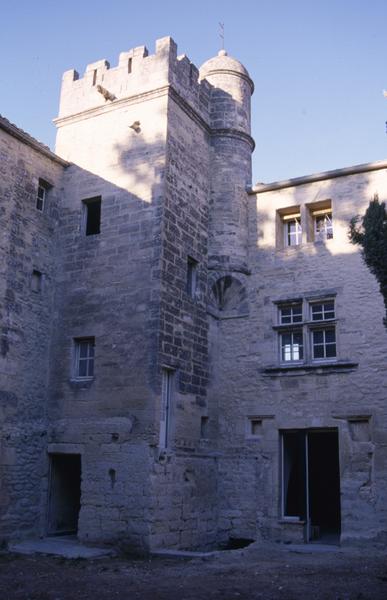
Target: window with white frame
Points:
(292, 229)
(41, 195)
(307, 331)
(84, 358)
(323, 225)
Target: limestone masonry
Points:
(186, 361)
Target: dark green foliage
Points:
(370, 232)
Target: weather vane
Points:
(221, 33)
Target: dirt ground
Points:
(266, 572)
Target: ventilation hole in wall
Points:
(115, 437)
(112, 475)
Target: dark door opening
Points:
(64, 494)
(311, 482)
(324, 484)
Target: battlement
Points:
(137, 73)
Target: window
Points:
(307, 339)
(324, 343)
(36, 281)
(319, 221)
(166, 406)
(92, 215)
(43, 188)
(292, 230)
(254, 427)
(323, 227)
(289, 227)
(291, 313)
(192, 266)
(321, 311)
(204, 427)
(84, 358)
(292, 347)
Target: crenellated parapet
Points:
(138, 73)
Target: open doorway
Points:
(311, 482)
(64, 494)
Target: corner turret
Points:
(232, 145)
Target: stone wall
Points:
(28, 243)
(347, 395)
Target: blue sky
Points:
(319, 67)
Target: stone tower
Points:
(231, 148)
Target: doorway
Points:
(64, 494)
(311, 482)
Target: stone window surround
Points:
(304, 217)
(306, 326)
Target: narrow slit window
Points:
(92, 216)
(192, 267)
(129, 65)
(204, 427)
(166, 407)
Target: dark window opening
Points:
(192, 266)
(92, 216)
(204, 427)
(94, 76)
(129, 65)
(36, 281)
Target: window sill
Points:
(291, 521)
(81, 382)
(313, 368)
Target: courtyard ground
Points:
(266, 572)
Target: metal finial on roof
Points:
(221, 35)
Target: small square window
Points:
(322, 311)
(84, 358)
(291, 314)
(192, 267)
(255, 427)
(92, 215)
